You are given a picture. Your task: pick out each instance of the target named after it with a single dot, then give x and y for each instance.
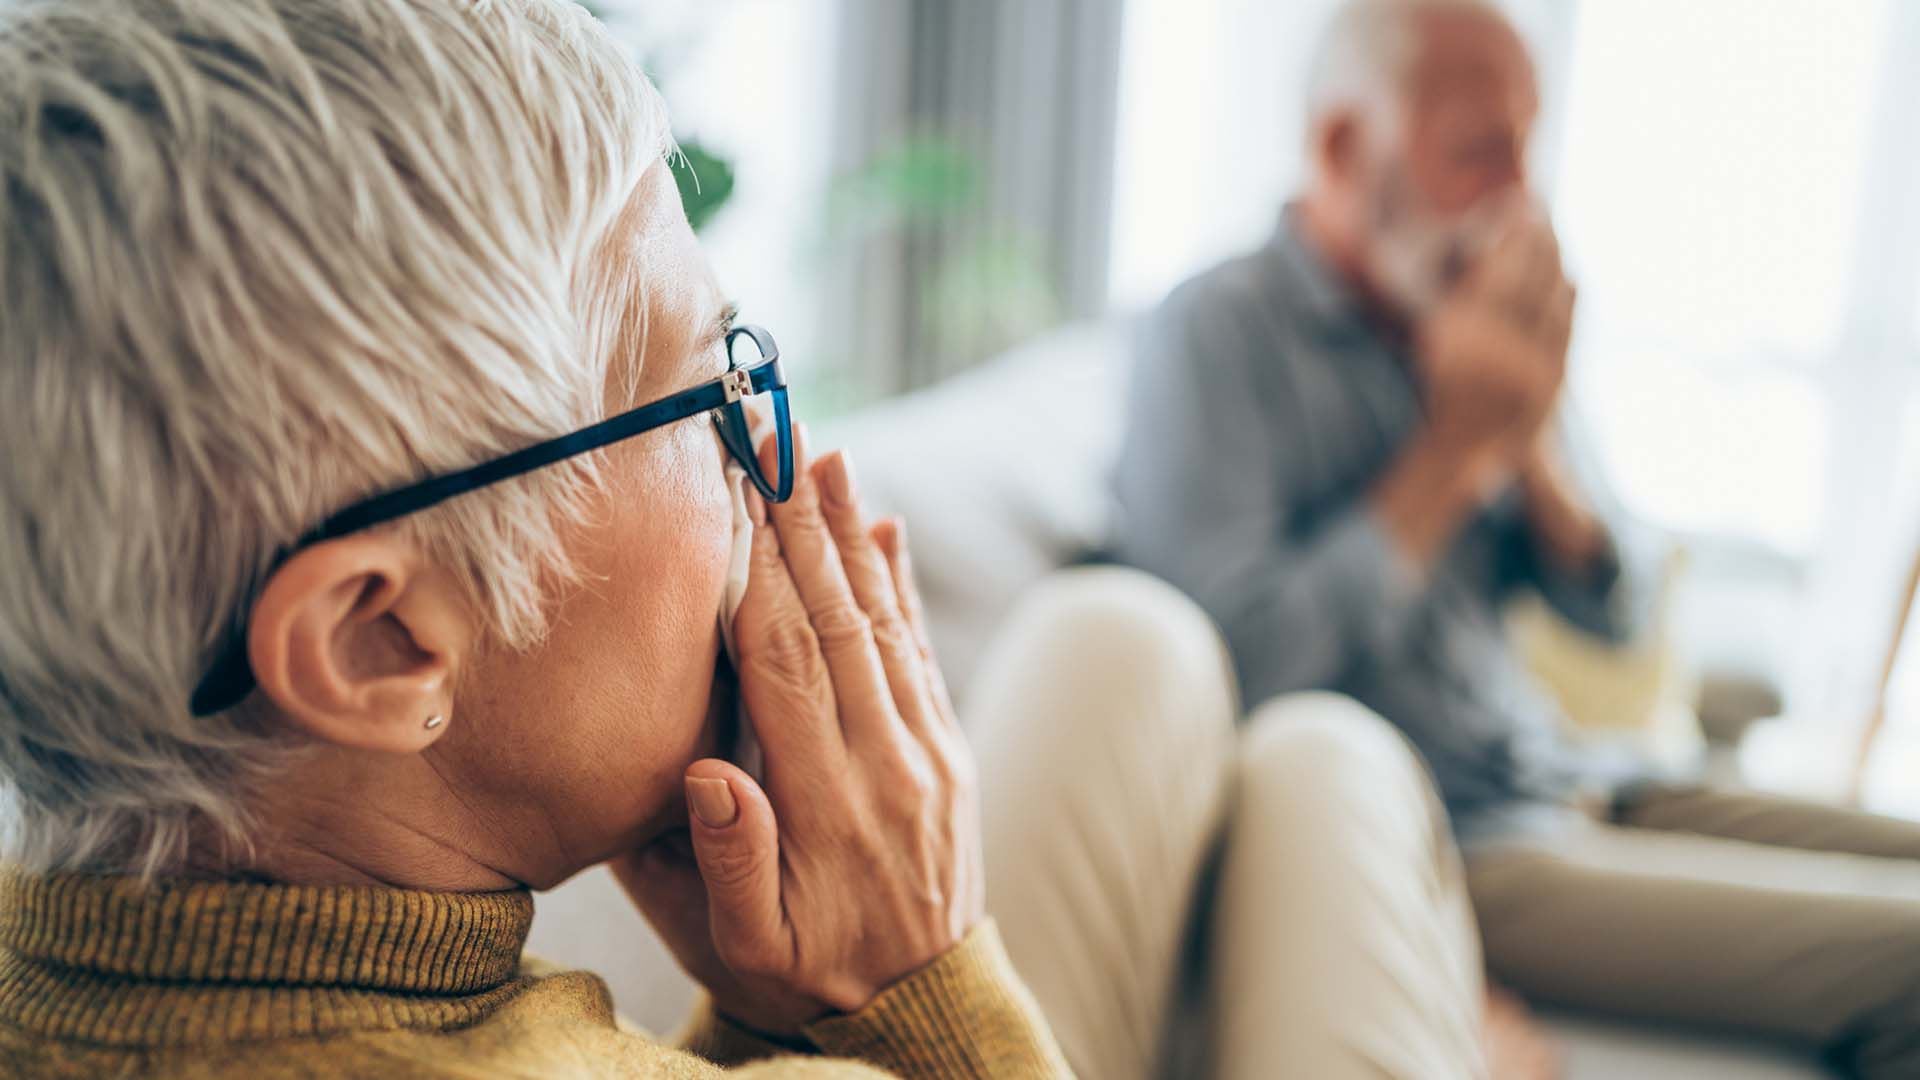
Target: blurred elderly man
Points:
(1339, 445)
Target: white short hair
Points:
(1367, 51)
(262, 258)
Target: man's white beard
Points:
(1417, 257)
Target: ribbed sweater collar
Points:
(106, 959)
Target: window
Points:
(1736, 200)
(1711, 188)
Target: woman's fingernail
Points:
(756, 506)
(712, 801)
(838, 479)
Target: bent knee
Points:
(1124, 621)
(1118, 643)
(1122, 605)
(1330, 753)
(1324, 730)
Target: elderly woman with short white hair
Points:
(385, 523)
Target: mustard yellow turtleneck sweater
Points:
(100, 977)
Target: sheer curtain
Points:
(974, 147)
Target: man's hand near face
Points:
(1490, 359)
(1504, 333)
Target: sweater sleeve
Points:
(967, 1014)
(723, 1042)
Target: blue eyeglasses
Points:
(230, 678)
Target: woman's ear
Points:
(356, 640)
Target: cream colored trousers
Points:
(1737, 911)
(1286, 889)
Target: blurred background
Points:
(906, 189)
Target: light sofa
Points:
(1001, 476)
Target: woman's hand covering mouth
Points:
(856, 859)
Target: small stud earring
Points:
(435, 721)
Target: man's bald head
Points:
(1372, 51)
(1419, 117)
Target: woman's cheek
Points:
(698, 533)
(716, 526)
(680, 510)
